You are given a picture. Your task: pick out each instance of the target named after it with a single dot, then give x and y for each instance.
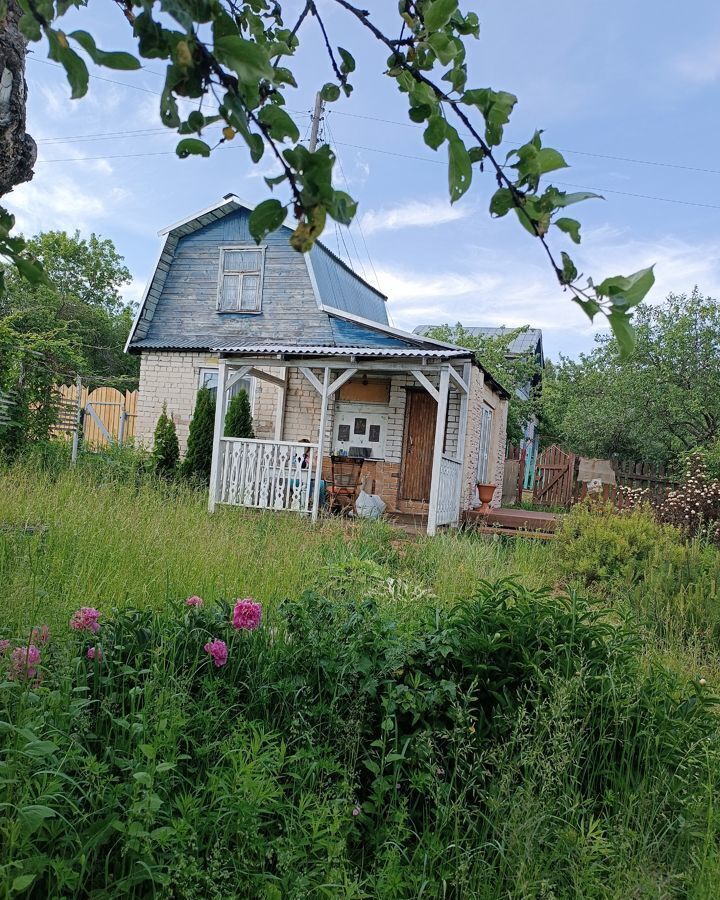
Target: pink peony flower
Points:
(95, 653)
(195, 601)
(24, 662)
(4, 646)
(218, 651)
(247, 614)
(41, 634)
(86, 619)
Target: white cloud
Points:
(497, 288)
(61, 203)
(701, 65)
(415, 213)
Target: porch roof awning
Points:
(322, 351)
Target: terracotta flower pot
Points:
(485, 494)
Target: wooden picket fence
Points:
(108, 415)
(557, 484)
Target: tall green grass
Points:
(109, 542)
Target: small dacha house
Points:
(326, 374)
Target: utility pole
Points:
(317, 117)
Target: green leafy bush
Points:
(166, 450)
(599, 544)
(198, 457)
(335, 747)
(238, 418)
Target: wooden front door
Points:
(416, 471)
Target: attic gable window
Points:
(241, 278)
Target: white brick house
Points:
(326, 374)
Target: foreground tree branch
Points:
(238, 62)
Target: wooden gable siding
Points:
(342, 289)
(187, 305)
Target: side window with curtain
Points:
(241, 277)
(483, 465)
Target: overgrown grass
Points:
(405, 723)
(110, 542)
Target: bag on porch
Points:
(369, 506)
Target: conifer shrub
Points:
(198, 458)
(238, 418)
(166, 450)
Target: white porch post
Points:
(216, 465)
(440, 418)
(462, 433)
(280, 412)
(321, 442)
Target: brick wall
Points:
(173, 378)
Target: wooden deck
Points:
(512, 521)
(525, 522)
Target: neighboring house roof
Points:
(529, 340)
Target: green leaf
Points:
(444, 47)
(571, 227)
(279, 123)
(330, 92)
(192, 147)
(438, 13)
(590, 307)
(548, 160)
(34, 815)
(436, 131)
(348, 61)
(577, 197)
(459, 166)
(501, 202)
(22, 882)
(112, 60)
(247, 59)
(624, 292)
(266, 217)
(569, 271)
(342, 208)
(75, 68)
(622, 329)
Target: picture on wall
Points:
(343, 433)
(360, 426)
(374, 434)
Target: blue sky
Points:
(608, 82)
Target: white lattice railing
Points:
(266, 474)
(448, 506)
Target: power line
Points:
(359, 224)
(614, 158)
(427, 159)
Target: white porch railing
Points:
(266, 474)
(448, 505)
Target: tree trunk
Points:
(17, 148)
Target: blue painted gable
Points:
(180, 306)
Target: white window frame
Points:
(234, 390)
(484, 443)
(244, 248)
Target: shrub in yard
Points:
(598, 543)
(166, 451)
(198, 458)
(238, 418)
(322, 745)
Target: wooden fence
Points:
(513, 475)
(557, 484)
(107, 414)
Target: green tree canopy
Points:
(49, 331)
(517, 372)
(238, 418)
(658, 404)
(198, 459)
